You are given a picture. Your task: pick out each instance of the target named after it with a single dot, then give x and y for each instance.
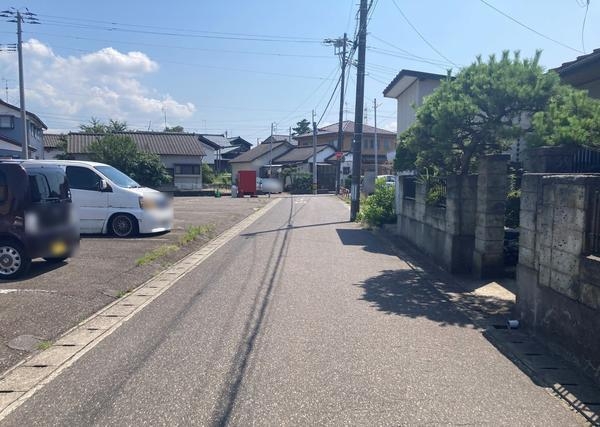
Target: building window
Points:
(386, 144)
(372, 143)
(7, 122)
(187, 169)
(346, 170)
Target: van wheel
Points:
(123, 225)
(14, 261)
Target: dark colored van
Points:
(36, 216)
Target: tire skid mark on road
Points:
(23, 380)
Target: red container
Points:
(246, 182)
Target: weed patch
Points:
(157, 253)
(44, 345)
(195, 231)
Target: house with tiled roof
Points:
(180, 153)
(220, 149)
(582, 73)
(260, 159)
(302, 159)
(11, 132)
(328, 135)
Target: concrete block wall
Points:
(558, 281)
(488, 256)
(446, 234)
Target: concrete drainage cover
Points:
(25, 343)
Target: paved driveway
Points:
(53, 298)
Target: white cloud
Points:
(390, 125)
(103, 84)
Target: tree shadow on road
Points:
(407, 293)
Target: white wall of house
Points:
(256, 164)
(211, 154)
(412, 98)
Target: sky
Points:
(239, 66)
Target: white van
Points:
(108, 201)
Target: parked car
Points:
(36, 216)
(108, 201)
(269, 185)
(389, 179)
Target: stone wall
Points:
(467, 235)
(558, 281)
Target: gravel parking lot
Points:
(53, 298)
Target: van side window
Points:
(83, 178)
(3, 188)
(39, 188)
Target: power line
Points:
(587, 7)
(181, 34)
(408, 58)
(330, 99)
(421, 35)
(527, 26)
(237, 52)
(404, 51)
(76, 21)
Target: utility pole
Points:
(19, 17)
(358, 109)
(314, 180)
(340, 49)
(271, 151)
(376, 147)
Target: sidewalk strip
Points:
(23, 380)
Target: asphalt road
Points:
(296, 322)
(53, 298)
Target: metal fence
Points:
(437, 191)
(593, 226)
(409, 187)
(586, 160)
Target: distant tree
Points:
(116, 126)
(208, 174)
(97, 126)
(115, 150)
(122, 153)
(149, 171)
(303, 126)
(175, 129)
(93, 126)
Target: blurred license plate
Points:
(58, 248)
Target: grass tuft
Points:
(195, 231)
(44, 345)
(191, 234)
(154, 254)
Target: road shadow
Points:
(407, 293)
(38, 267)
(364, 238)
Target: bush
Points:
(378, 208)
(208, 174)
(223, 179)
(513, 209)
(302, 183)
